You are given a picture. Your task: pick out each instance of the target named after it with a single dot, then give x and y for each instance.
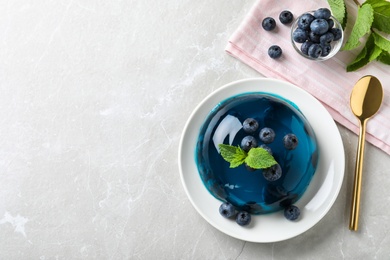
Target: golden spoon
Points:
(366, 98)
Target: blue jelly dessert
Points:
(246, 188)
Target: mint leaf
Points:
(375, 53)
(259, 158)
(363, 57)
(382, 42)
(374, 2)
(339, 11)
(232, 154)
(381, 16)
(361, 27)
(384, 58)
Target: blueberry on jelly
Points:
(286, 17)
(267, 135)
(275, 51)
(315, 50)
(292, 212)
(250, 169)
(300, 35)
(272, 173)
(319, 26)
(227, 210)
(243, 218)
(267, 148)
(322, 13)
(304, 21)
(290, 141)
(248, 142)
(250, 125)
(268, 24)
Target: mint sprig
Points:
(257, 158)
(232, 154)
(339, 11)
(362, 26)
(373, 19)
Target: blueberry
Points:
(268, 24)
(248, 142)
(336, 33)
(304, 21)
(267, 135)
(326, 38)
(290, 141)
(286, 17)
(227, 210)
(315, 50)
(326, 48)
(272, 173)
(305, 47)
(330, 23)
(265, 147)
(292, 212)
(248, 168)
(322, 13)
(243, 218)
(315, 38)
(319, 26)
(275, 51)
(250, 125)
(300, 35)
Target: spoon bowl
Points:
(366, 99)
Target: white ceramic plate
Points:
(319, 196)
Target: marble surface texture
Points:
(94, 96)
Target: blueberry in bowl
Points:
(317, 35)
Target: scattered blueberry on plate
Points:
(227, 210)
(243, 218)
(292, 212)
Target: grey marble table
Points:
(94, 96)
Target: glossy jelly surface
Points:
(248, 190)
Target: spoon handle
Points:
(357, 183)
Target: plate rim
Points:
(256, 81)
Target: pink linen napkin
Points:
(328, 80)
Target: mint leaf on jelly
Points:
(259, 158)
(232, 154)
